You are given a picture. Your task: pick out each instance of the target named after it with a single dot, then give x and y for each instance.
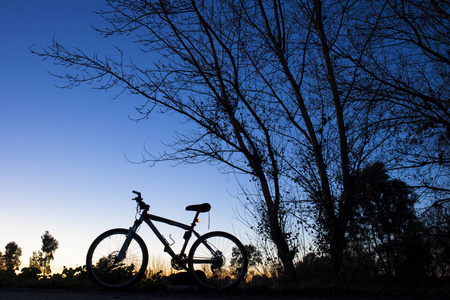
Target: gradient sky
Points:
(62, 152)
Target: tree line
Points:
(318, 103)
(39, 262)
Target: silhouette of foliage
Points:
(36, 260)
(315, 269)
(254, 257)
(385, 232)
(43, 257)
(11, 259)
(30, 273)
(112, 271)
(437, 233)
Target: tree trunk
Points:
(277, 233)
(284, 253)
(338, 227)
(337, 246)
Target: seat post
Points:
(195, 219)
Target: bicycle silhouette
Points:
(118, 257)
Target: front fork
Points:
(123, 250)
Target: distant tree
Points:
(385, 226)
(49, 246)
(437, 221)
(36, 260)
(11, 259)
(254, 256)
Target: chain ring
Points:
(179, 262)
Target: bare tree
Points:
(405, 51)
(281, 91)
(237, 70)
(204, 75)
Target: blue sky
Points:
(62, 154)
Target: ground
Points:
(65, 294)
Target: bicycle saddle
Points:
(205, 207)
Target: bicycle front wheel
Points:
(218, 260)
(107, 269)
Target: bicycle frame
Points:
(187, 235)
(148, 218)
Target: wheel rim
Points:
(108, 270)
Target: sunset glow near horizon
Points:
(63, 154)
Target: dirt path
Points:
(56, 294)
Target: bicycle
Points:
(118, 257)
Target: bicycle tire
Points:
(101, 264)
(227, 265)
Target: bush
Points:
(29, 274)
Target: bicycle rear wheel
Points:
(106, 269)
(218, 260)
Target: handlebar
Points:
(140, 201)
